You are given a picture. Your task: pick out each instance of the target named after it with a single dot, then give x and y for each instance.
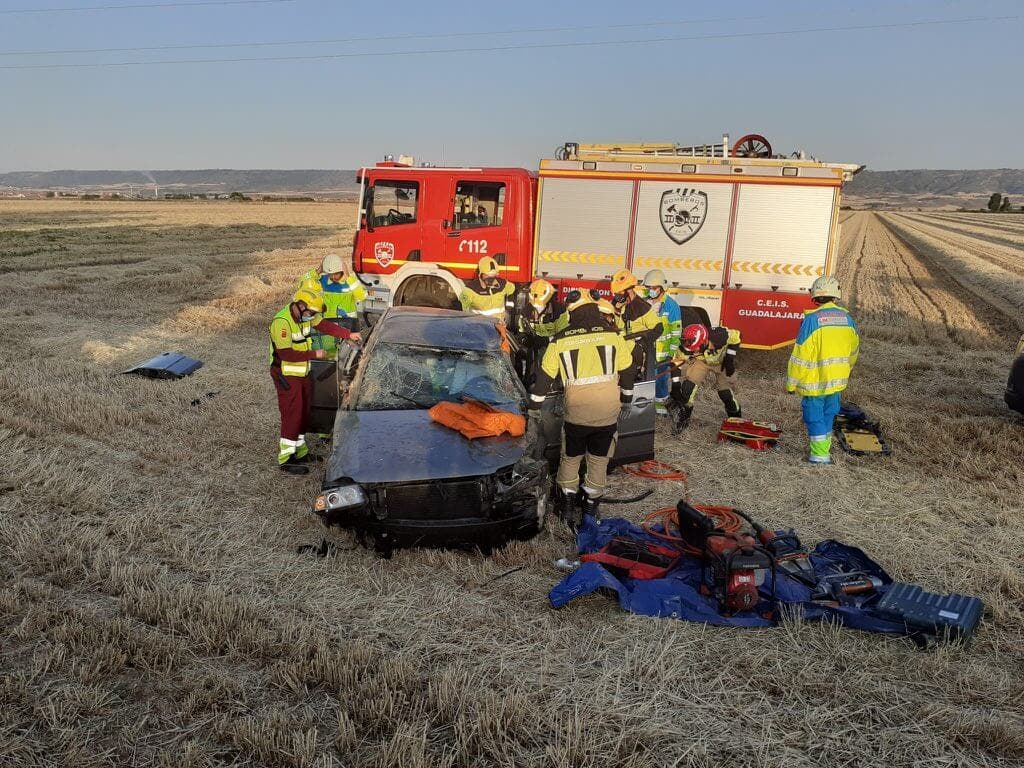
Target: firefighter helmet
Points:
(826, 287)
(694, 338)
(313, 298)
(487, 267)
(541, 293)
(623, 280)
(606, 307)
(577, 298)
(655, 279)
(331, 264)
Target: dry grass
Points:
(153, 612)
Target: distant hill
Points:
(927, 182)
(925, 188)
(211, 180)
(933, 189)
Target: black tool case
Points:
(930, 612)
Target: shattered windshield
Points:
(400, 377)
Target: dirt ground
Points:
(153, 609)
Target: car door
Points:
(635, 440)
(330, 383)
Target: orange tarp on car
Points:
(475, 419)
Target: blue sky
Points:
(937, 96)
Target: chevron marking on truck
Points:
(577, 257)
(706, 265)
(775, 268)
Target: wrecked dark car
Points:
(399, 478)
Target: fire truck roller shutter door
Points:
(782, 235)
(683, 230)
(584, 227)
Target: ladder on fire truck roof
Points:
(751, 145)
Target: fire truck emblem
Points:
(384, 253)
(682, 213)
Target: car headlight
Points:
(341, 498)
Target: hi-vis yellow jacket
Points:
(826, 349)
(490, 301)
(595, 364)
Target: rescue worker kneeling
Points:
(595, 364)
(488, 293)
(705, 353)
(291, 350)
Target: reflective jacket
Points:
(672, 327)
(341, 298)
(826, 349)
(595, 364)
(285, 333)
(490, 301)
(554, 319)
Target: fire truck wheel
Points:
(426, 291)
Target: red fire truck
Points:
(739, 232)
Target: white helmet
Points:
(655, 279)
(332, 263)
(826, 286)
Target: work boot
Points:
(732, 405)
(590, 505)
(682, 419)
(309, 458)
(292, 467)
(567, 507)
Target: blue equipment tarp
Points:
(678, 594)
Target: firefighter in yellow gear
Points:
(827, 346)
(704, 354)
(595, 365)
(291, 352)
(639, 321)
(488, 294)
(549, 315)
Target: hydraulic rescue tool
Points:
(737, 562)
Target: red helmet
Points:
(695, 338)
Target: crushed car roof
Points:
(444, 328)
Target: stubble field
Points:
(153, 609)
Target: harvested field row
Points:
(986, 235)
(988, 281)
(1001, 222)
(903, 298)
(1005, 255)
(153, 611)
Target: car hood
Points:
(405, 446)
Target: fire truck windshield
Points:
(393, 202)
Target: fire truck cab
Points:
(422, 230)
(740, 233)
